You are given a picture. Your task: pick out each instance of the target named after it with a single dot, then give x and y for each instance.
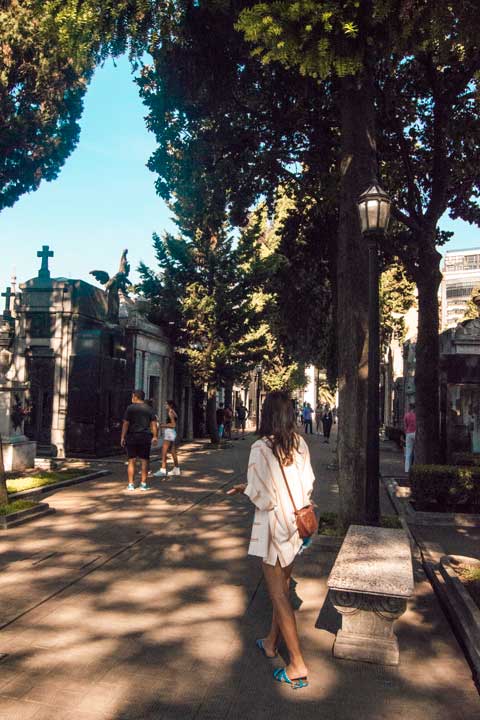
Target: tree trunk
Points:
(427, 354)
(3, 479)
(358, 168)
(212, 428)
(229, 394)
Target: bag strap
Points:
(288, 487)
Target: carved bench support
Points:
(370, 584)
(367, 627)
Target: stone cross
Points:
(8, 296)
(44, 253)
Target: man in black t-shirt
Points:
(242, 414)
(139, 431)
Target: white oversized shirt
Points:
(274, 531)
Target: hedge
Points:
(446, 485)
(466, 459)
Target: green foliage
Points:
(50, 49)
(466, 459)
(231, 131)
(16, 506)
(207, 290)
(446, 485)
(329, 524)
(316, 37)
(397, 296)
(41, 478)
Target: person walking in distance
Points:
(327, 422)
(307, 417)
(169, 440)
(220, 420)
(318, 416)
(410, 427)
(242, 414)
(139, 432)
(228, 422)
(280, 478)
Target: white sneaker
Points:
(160, 473)
(176, 471)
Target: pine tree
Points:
(206, 288)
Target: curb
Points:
(458, 606)
(461, 610)
(36, 492)
(422, 518)
(24, 516)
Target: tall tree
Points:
(206, 287)
(50, 49)
(353, 41)
(228, 131)
(332, 42)
(429, 144)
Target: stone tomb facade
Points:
(80, 366)
(460, 388)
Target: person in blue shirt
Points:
(307, 418)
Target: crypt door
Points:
(40, 373)
(154, 392)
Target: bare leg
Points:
(271, 642)
(131, 471)
(174, 454)
(165, 453)
(145, 467)
(285, 617)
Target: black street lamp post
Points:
(374, 210)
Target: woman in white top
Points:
(169, 440)
(275, 535)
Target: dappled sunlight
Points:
(164, 606)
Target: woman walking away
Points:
(318, 416)
(327, 422)
(169, 439)
(280, 479)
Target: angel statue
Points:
(114, 285)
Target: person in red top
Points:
(410, 427)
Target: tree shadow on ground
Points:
(167, 628)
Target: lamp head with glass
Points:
(374, 209)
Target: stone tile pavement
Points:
(165, 629)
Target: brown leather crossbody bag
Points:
(307, 523)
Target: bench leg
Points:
(367, 627)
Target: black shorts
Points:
(139, 446)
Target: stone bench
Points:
(369, 584)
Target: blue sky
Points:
(104, 198)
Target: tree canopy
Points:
(50, 49)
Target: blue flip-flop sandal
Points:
(259, 644)
(280, 674)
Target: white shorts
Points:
(170, 434)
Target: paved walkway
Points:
(147, 607)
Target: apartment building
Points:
(461, 273)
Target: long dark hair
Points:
(278, 426)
